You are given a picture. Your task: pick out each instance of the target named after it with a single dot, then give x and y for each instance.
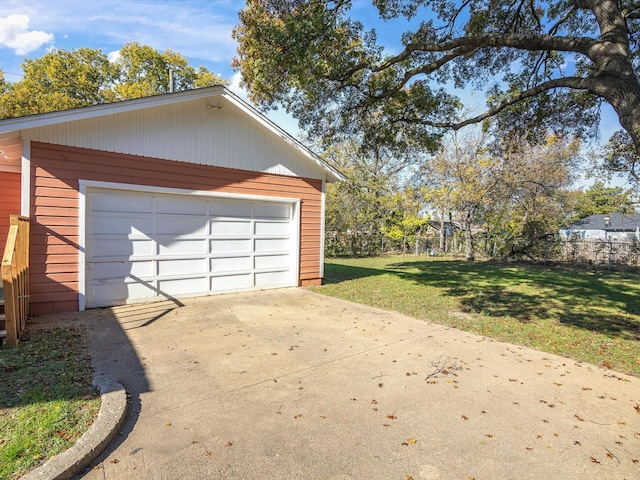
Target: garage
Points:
(141, 245)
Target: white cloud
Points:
(15, 34)
(234, 86)
(114, 56)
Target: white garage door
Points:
(141, 246)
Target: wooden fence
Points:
(15, 278)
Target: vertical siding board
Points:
(54, 205)
(224, 137)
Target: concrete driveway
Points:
(290, 384)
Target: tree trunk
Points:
(443, 235)
(468, 244)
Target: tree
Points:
(462, 177)
(601, 200)
(534, 198)
(516, 190)
(144, 71)
(60, 80)
(544, 63)
(63, 79)
(358, 208)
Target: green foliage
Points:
(62, 79)
(318, 60)
(592, 317)
(514, 190)
(600, 200)
(144, 71)
(620, 156)
(369, 205)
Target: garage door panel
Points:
(122, 202)
(118, 225)
(184, 286)
(231, 264)
(272, 244)
(181, 225)
(183, 266)
(230, 227)
(181, 205)
(272, 261)
(264, 279)
(232, 282)
(237, 245)
(267, 210)
(272, 228)
(123, 269)
(144, 245)
(229, 208)
(182, 246)
(122, 247)
(111, 293)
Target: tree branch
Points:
(575, 83)
(529, 42)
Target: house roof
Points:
(10, 129)
(618, 222)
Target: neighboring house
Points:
(183, 194)
(449, 227)
(618, 226)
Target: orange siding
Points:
(55, 173)
(9, 203)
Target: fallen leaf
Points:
(380, 385)
(391, 417)
(637, 407)
(488, 435)
(593, 460)
(297, 416)
(207, 453)
(228, 444)
(579, 418)
(576, 442)
(374, 401)
(465, 417)
(411, 441)
(115, 460)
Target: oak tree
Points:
(548, 64)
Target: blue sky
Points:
(198, 29)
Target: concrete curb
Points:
(93, 442)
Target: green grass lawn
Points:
(589, 316)
(46, 398)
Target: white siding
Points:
(195, 131)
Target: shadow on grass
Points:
(594, 302)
